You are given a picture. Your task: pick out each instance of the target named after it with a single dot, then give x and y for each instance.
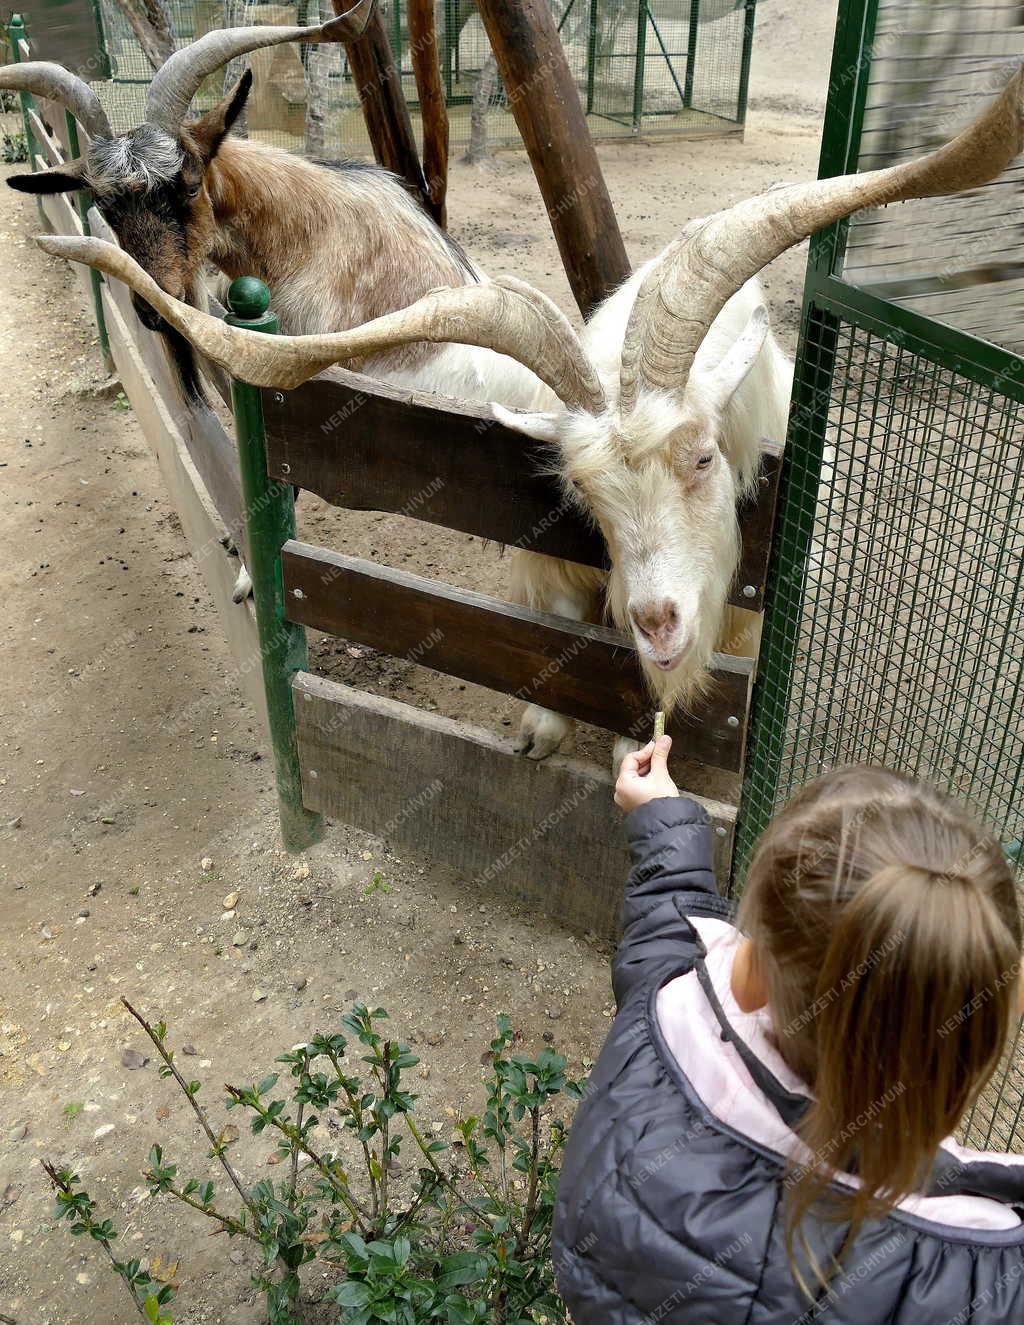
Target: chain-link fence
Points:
(894, 631)
(641, 66)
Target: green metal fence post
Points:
(802, 461)
(591, 54)
(270, 522)
(96, 280)
(104, 69)
(749, 12)
(16, 34)
(691, 52)
(638, 68)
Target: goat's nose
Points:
(656, 619)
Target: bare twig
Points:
(200, 1112)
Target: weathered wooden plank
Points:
(199, 519)
(365, 445)
(547, 833)
(51, 146)
(585, 671)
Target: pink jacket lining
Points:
(718, 1075)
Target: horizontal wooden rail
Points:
(365, 445)
(585, 671)
(547, 833)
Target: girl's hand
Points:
(644, 776)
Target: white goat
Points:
(657, 412)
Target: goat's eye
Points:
(703, 461)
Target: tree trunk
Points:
(433, 107)
(379, 84)
(482, 93)
(318, 65)
(234, 17)
(543, 98)
(151, 22)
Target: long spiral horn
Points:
(504, 315)
(43, 78)
(180, 77)
(685, 290)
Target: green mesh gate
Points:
(894, 630)
(642, 67)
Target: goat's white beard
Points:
(686, 683)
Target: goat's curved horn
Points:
(685, 290)
(504, 315)
(43, 78)
(180, 77)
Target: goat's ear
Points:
(210, 130)
(541, 426)
(727, 376)
(58, 179)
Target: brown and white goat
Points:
(655, 411)
(337, 245)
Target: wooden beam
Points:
(543, 98)
(379, 84)
(196, 512)
(455, 794)
(433, 110)
(365, 445)
(582, 670)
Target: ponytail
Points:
(887, 927)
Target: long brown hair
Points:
(886, 929)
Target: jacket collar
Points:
(956, 1171)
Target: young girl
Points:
(765, 1138)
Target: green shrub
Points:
(12, 148)
(467, 1241)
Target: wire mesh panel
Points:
(641, 67)
(893, 631)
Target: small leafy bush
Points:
(13, 148)
(464, 1241)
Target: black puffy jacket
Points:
(671, 1202)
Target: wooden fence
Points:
(453, 792)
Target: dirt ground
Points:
(135, 794)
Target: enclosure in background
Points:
(893, 631)
(642, 67)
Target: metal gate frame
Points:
(829, 301)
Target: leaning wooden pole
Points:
(427, 70)
(543, 97)
(379, 84)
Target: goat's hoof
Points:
(623, 746)
(541, 732)
(243, 586)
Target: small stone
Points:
(18, 1132)
(258, 995)
(84, 913)
(206, 863)
(189, 1049)
(94, 888)
(227, 915)
(300, 981)
(301, 870)
(47, 933)
(231, 901)
(103, 1131)
(82, 1278)
(237, 1257)
(554, 1013)
(63, 1045)
(132, 1059)
(241, 938)
(15, 822)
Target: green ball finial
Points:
(248, 298)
